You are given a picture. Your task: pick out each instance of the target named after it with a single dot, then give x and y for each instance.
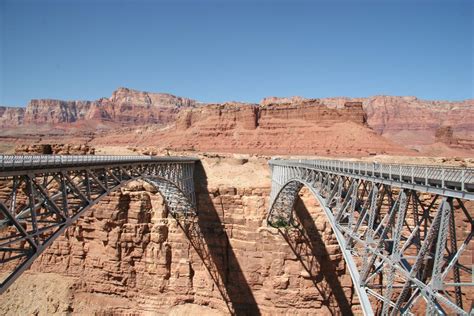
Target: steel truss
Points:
(42, 196)
(405, 239)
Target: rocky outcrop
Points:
(309, 110)
(132, 107)
(280, 100)
(54, 149)
(445, 134)
(308, 127)
(396, 116)
(56, 111)
(393, 114)
(141, 98)
(233, 116)
(11, 116)
(406, 120)
(124, 107)
(219, 117)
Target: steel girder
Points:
(38, 203)
(407, 251)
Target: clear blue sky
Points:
(236, 50)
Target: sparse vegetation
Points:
(280, 223)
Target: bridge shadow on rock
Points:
(309, 248)
(208, 237)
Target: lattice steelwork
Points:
(404, 230)
(40, 196)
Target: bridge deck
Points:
(20, 164)
(446, 180)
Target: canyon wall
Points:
(412, 119)
(384, 114)
(296, 125)
(124, 107)
(56, 111)
(127, 256)
(445, 134)
(11, 116)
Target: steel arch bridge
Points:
(41, 196)
(404, 230)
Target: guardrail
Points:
(429, 175)
(18, 162)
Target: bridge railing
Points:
(440, 176)
(15, 162)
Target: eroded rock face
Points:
(55, 149)
(127, 256)
(141, 98)
(310, 110)
(132, 107)
(293, 125)
(412, 119)
(307, 127)
(125, 107)
(390, 114)
(219, 118)
(280, 100)
(56, 111)
(11, 116)
(445, 134)
(406, 120)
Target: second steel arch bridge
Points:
(405, 231)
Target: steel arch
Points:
(380, 235)
(287, 197)
(41, 204)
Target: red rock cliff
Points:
(125, 107)
(298, 126)
(405, 118)
(11, 116)
(56, 111)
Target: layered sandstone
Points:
(132, 107)
(309, 127)
(124, 107)
(56, 111)
(408, 121)
(309, 110)
(445, 134)
(294, 125)
(219, 117)
(413, 120)
(11, 116)
(54, 149)
(394, 114)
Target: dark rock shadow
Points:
(308, 246)
(208, 237)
